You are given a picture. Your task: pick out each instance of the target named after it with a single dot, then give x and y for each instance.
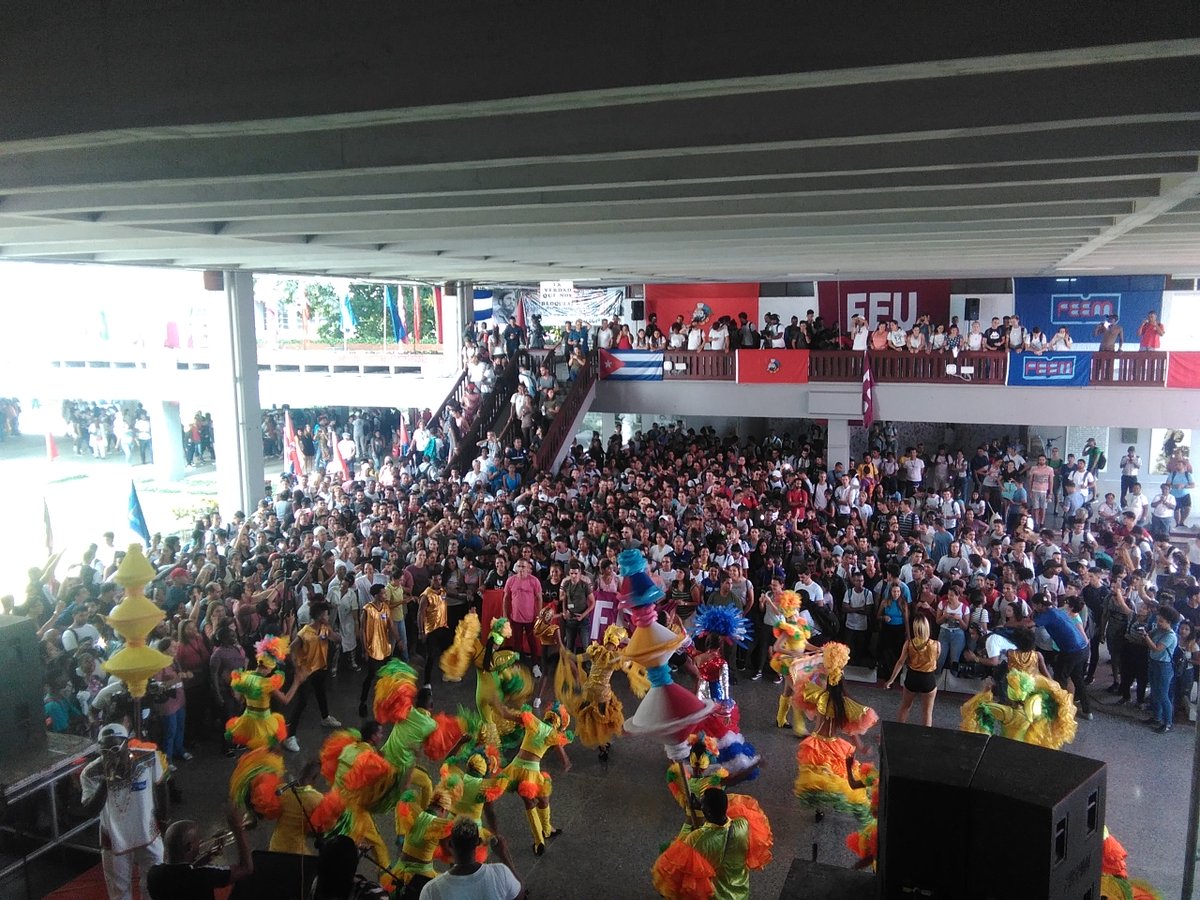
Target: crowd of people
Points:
(930, 562)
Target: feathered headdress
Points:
(704, 750)
(558, 716)
(835, 657)
(724, 621)
(615, 634)
(271, 651)
(496, 634)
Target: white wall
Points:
(1181, 319)
(989, 305)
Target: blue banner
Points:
(1065, 369)
(1083, 303)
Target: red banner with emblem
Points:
(772, 366)
(700, 301)
(881, 301)
(1183, 369)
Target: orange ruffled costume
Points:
(1115, 883)
(253, 786)
(714, 861)
(822, 781)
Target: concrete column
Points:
(837, 442)
(166, 439)
(237, 416)
(453, 325)
(608, 426)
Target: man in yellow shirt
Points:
(310, 651)
(379, 636)
(433, 624)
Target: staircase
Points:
(580, 394)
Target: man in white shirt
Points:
(1138, 503)
(808, 587)
(468, 879)
(128, 826)
(604, 336)
(1131, 465)
(1162, 513)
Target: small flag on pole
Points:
(51, 447)
(403, 437)
(868, 393)
(49, 530)
(291, 448)
(137, 519)
(339, 459)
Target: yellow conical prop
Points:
(134, 618)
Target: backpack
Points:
(1101, 461)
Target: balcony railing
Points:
(1131, 368)
(559, 431)
(699, 365)
(1139, 368)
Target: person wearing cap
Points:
(125, 775)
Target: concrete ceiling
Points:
(958, 162)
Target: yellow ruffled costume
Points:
(812, 695)
(257, 726)
(822, 781)
(1038, 712)
(598, 712)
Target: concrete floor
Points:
(616, 816)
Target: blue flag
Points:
(393, 313)
(137, 520)
(349, 319)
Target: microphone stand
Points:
(365, 853)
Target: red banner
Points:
(772, 366)
(669, 301)
(1183, 369)
(493, 608)
(881, 301)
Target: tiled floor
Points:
(616, 816)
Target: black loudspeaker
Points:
(1055, 801)
(971, 309)
(925, 781)
(950, 799)
(818, 881)
(277, 876)
(22, 720)
(637, 310)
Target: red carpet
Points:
(90, 886)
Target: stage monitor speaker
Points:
(22, 720)
(971, 309)
(982, 791)
(925, 777)
(1056, 802)
(637, 310)
(277, 876)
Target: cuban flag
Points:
(631, 365)
(483, 305)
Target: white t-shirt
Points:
(695, 338)
(128, 814)
(491, 880)
(814, 591)
(73, 636)
(718, 338)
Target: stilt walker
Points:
(715, 627)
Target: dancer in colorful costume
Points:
(525, 773)
(476, 793)
(828, 776)
(363, 781)
(1038, 711)
(713, 628)
(700, 773)
(791, 645)
(714, 860)
(398, 702)
(254, 786)
(257, 726)
(502, 684)
(864, 843)
(1115, 883)
(424, 828)
(599, 715)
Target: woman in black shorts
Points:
(920, 654)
